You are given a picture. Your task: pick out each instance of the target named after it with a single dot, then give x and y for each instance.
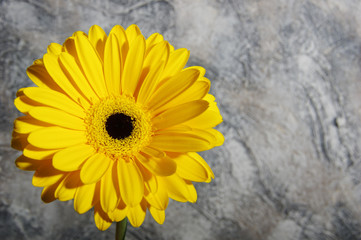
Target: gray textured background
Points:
(287, 76)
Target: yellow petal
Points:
(207, 119)
(158, 53)
(174, 86)
(46, 175)
(38, 62)
(132, 66)
(83, 200)
(150, 181)
(179, 189)
(179, 114)
(27, 164)
(214, 137)
(113, 65)
(158, 215)
(158, 199)
(91, 64)
(201, 70)
(131, 184)
(132, 33)
(218, 136)
(123, 44)
(97, 37)
(69, 47)
(70, 66)
(71, 158)
(153, 40)
(54, 48)
(48, 193)
(40, 76)
(24, 104)
(57, 117)
(153, 66)
(153, 152)
(176, 62)
(63, 191)
(38, 153)
(101, 220)
(197, 91)
(136, 215)
(52, 65)
(74, 180)
(118, 214)
(180, 142)
(94, 168)
(20, 92)
(19, 141)
(159, 166)
(150, 82)
(192, 167)
(109, 197)
(54, 99)
(26, 124)
(56, 137)
(66, 194)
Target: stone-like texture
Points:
(287, 77)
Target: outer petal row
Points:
(70, 77)
(56, 138)
(192, 167)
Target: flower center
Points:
(118, 127)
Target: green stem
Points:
(121, 229)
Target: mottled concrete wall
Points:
(287, 77)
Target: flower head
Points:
(115, 123)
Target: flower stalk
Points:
(121, 229)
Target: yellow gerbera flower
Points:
(115, 123)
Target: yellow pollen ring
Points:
(99, 138)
